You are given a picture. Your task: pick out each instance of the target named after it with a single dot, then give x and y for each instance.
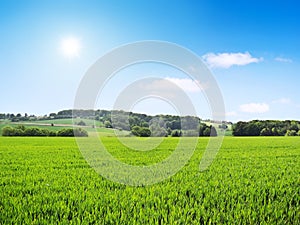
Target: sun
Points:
(70, 47)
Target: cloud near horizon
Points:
(254, 108)
(226, 60)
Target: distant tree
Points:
(275, 131)
(52, 115)
(21, 127)
(176, 133)
(34, 131)
(266, 132)
(157, 127)
(135, 130)
(107, 124)
(65, 133)
(52, 133)
(145, 132)
(79, 132)
(202, 128)
(213, 131)
(144, 124)
(223, 126)
(141, 131)
(81, 123)
(291, 133)
(169, 131)
(8, 131)
(206, 132)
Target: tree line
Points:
(145, 125)
(23, 131)
(266, 128)
(137, 123)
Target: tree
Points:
(213, 131)
(107, 124)
(79, 132)
(206, 132)
(145, 132)
(8, 131)
(176, 133)
(135, 130)
(66, 133)
(81, 123)
(291, 133)
(141, 131)
(266, 132)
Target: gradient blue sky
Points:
(251, 47)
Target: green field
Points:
(62, 124)
(252, 181)
(88, 122)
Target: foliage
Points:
(81, 123)
(266, 128)
(207, 131)
(141, 131)
(176, 133)
(38, 132)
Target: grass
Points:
(61, 124)
(88, 122)
(252, 181)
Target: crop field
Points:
(251, 181)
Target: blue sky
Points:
(251, 47)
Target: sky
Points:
(251, 48)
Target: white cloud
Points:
(284, 60)
(282, 101)
(188, 85)
(226, 60)
(255, 108)
(172, 85)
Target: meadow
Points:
(59, 124)
(253, 180)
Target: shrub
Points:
(66, 133)
(176, 133)
(8, 131)
(81, 123)
(141, 131)
(79, 132)
(36, 132)
(291, 133)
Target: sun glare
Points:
(70, 47)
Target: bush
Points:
(34, 131)
(291, 133)
(141, 131)
(79, 132)
(37, 132)
(51, 133)
(8, 131)
(65, 133)
(176, 133)
(81, 123)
